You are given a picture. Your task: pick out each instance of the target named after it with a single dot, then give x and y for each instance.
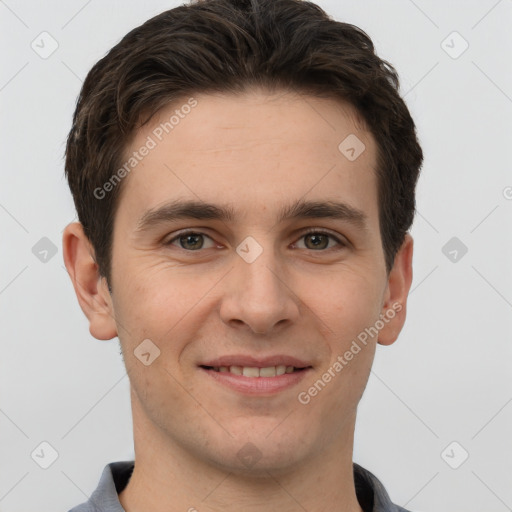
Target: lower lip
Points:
(257, 385)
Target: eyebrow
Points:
(301, 209)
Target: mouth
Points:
(255, 376)
(255, 371)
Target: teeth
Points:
(251, 371)
(268, 372)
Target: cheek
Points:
(153, 292)
(146, 305)
(357, 308)
(348, 302)
(165, 305)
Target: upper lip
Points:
(255, 362)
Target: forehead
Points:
(253, 149)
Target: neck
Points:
(166, 478)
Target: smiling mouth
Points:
(254, 371)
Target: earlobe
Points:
(90, 288)
(399, 283)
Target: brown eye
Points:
(320, 240)
(316, 241)
(191, 241)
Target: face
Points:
(246, 242)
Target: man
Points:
(244, 176)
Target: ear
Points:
(395, 299)
(91, 289)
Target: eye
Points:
(315, 240)
(319, 240)
(191, 241)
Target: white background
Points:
(448, 378)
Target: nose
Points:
(258, 297)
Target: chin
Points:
(260, 455)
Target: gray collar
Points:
(371, 494)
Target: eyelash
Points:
(305, 233)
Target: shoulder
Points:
(371, 493)
(105, 498)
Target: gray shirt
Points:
(370, 492)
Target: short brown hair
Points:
(228, 46)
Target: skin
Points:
(256, 152)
